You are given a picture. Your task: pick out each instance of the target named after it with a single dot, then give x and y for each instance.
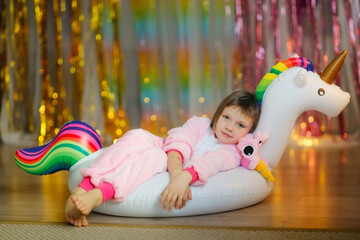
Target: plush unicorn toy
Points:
(249, 147)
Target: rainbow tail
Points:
(74, 141)
(265, 171)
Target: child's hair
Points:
(245, 101)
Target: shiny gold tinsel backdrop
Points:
(121, 64)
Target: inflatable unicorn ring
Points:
(290, 88)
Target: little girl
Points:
(191, 153)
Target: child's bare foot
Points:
(87, 201)
(72, 214)
(70, 209)
(78, 222)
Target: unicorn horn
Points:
(333, 68)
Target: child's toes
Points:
(84, 221)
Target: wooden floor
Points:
(315, 189)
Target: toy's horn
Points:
(333, 68)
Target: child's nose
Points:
(229, 128)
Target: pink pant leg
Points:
(132, 144)
(129, 162)
(139, 170)
(86, 184)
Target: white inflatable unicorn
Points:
(290, 88)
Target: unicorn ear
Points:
(300, 79)
(295, 55)
(257, 135)
(265, 137)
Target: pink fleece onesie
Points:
(139, 155)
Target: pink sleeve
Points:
(193, 173)
(183, 139)
(212, 162)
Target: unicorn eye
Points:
(248, 150)
(321, 92)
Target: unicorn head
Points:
(289, 89)
(307, 78)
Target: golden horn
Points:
(333, 68)
(264, 171)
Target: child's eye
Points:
(240, 125)
(225, 117)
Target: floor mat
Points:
(64, 231)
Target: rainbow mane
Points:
(277, 70)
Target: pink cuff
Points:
(193, 173)
(182, 158)
(107, 190)
(86, 184)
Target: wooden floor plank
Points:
(315, 188)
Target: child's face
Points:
(232, 125)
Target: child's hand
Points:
(177, 191)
